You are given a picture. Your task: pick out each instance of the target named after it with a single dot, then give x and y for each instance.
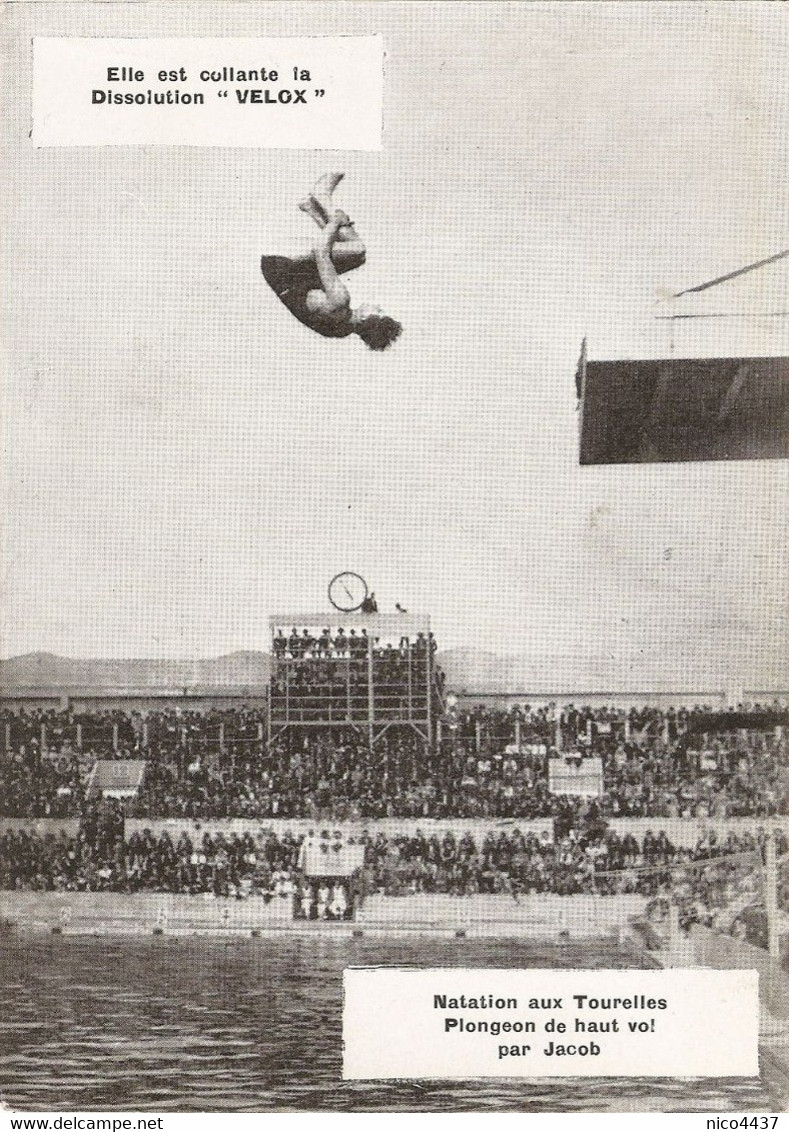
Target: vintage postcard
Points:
(394, 691)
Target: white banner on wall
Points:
(582, 777)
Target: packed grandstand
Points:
(654, 763)
(668, 766)
(356, 746)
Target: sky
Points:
(182, 458)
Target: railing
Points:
(295, 708)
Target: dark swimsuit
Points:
(291, 281)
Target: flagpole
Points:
(771, 897)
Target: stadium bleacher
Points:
(314, 754)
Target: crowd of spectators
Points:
(268, 864)
(312, 671)
(711, 883)
(220, 764)
(489, 763)
(722, 881)
(327, 645)
(593, 727)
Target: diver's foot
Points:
(326, 185)
(313, 210)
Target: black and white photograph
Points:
(394, 678)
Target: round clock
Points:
(347, 591)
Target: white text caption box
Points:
(273, 93)
(400, 1023)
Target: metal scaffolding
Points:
(368, 671)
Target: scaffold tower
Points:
(368, 671)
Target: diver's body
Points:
(310, 286)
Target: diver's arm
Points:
(337, 295)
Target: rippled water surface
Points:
(254, 1025)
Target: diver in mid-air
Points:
(309, 284)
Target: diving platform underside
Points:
(684, 409)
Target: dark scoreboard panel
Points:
(677, 409)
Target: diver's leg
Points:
(311, 207)
(346, 234)
(348, 251)
(322, 196)
(347, 247)
(345, 255)
(324, 190)
(318, 205)
(332, 257)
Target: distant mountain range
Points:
(45, 670)
(666, 670)
(467, 670)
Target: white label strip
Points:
(283, 93)
(400, 1023)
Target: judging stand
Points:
(371, 672)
